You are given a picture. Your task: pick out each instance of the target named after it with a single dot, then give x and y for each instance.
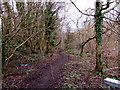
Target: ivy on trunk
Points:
(98, 30)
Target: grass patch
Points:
(70, 75)
(87, 61)
(29, 70)
(39, 56)
(112, 57)
(87, 54)
(31, 60)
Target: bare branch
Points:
(111, 8)
(106, 6)
(19, 47)
(80, 10)
(110, 19)
(89, 39)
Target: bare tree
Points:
(98, 17)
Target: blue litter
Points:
(23, 64)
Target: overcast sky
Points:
(71, 13)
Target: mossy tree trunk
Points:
(98, 30)
(50, 26)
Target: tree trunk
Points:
(81, 52)
(118, 8)
(98, 30)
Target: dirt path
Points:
(47, 76)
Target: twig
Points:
(111, 8)
(80, 10)
(111, 68)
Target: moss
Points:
(98, 29)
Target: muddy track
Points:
(47, 76)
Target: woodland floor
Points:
(57, 70)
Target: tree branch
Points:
(58, 43)
(111, 8)
(107, 6)
(112, 20)
(80, 10)
(19, 47)
(89, 39)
